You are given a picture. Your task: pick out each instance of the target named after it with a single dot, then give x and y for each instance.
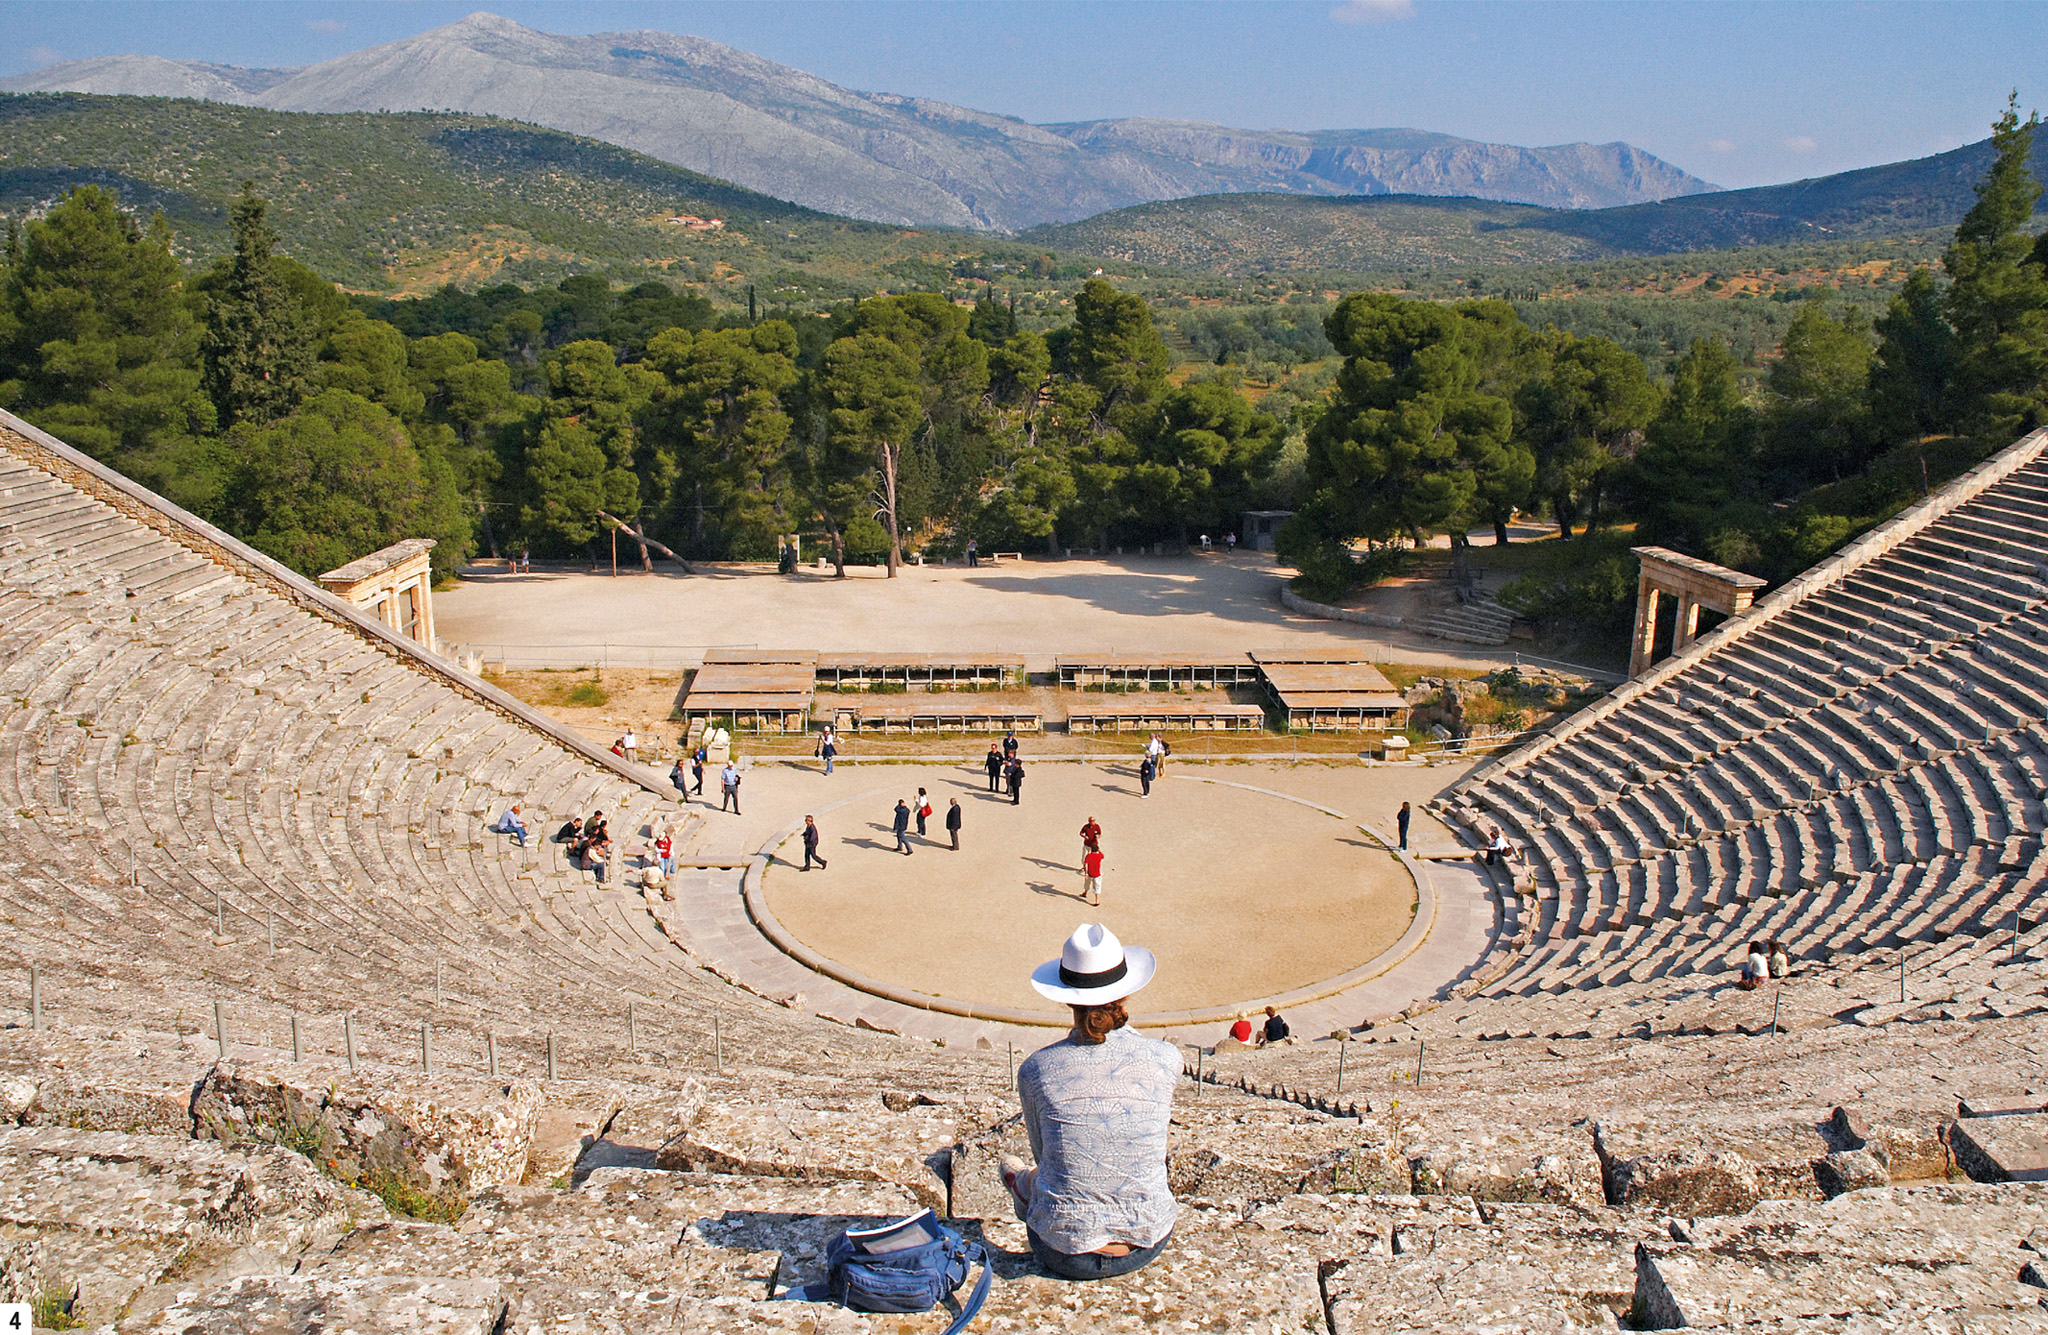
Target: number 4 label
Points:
(14, 1319)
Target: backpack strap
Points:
(969, 1309)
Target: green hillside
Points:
(398, 203)
(1254, 234)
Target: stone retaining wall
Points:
(1294, 602)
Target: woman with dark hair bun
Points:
(1096, 1105)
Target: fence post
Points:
(297, 1050)
(632, 1030)
(426, 1047)
(1902, 975)
(1342, 1044)
(1776, 993)
(2015, 959)
(35, 997)
(348, 1038)
(220, 916)
(1421, 1046)
(270, 919)
(491, 1052)
(551, 1054)
(220, 1027)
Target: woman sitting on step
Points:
(1096, 1105)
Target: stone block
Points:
(1843, 1171)
(1766, 1288)
(856, 1139)
(573, 1116)
(2011, 1148)
(2003, 1107)
(289, 1305)
(1568, 1177)
(1640, 1170)
(446, 1135)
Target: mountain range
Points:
(880, 157)
(1246, 233)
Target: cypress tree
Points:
(257, 347)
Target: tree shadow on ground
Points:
(1131, 593)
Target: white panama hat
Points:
(1094, 969)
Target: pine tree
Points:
(1998, 293)
(95, 345)
(1912, 377)
(258, 348)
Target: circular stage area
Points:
(1242, 894)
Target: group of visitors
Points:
(1766, 960)
(1274, 1029)
(1156, 752)
(590, 844)
(691, 781)
(1005, 767)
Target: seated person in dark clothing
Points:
(1276, 1028)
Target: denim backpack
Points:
(914, 1279)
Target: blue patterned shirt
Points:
(1097, 1114)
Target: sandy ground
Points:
(1247, 894)
(1040, 609)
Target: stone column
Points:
(1687, 626)
(423, 604)
(1646, 627)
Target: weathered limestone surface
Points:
(21, 1270)
(115, 1212)
(1507, 1268)
(858, 1139)
(292, 1305)
(446, 1134)
(1880, 1253)
(96, 1083)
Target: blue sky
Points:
(1741, 94)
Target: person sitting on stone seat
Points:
(1780, 958)
(1498, 849)
(1096, 1106)
(1241, 1031)
(1275, 1030)
(597, 853)
(1756, 968)
(509, 823)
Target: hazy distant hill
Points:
(1254, 233)
(912, 161)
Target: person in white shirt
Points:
(631, 742)
(1756, 970)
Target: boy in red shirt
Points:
(1091, 871)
